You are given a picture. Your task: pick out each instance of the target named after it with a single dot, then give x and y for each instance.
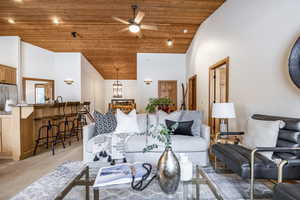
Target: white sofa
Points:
(195, 147)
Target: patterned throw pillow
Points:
(104, 123)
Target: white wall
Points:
(257, 36)
(37, 62)
(158, 66)
(129, 90)
(67, 66)
(41, 63)
(92, 86)
(10, 51)
(10, 55)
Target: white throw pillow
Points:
(262, 134)
(127, 123)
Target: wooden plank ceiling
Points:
(99, 38)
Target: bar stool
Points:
(52, 136)
(66, 125)
(79, 122)
(49, 133)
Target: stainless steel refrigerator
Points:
(7, 92)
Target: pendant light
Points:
(117, 87)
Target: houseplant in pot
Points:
(158, 104)
(168, 168)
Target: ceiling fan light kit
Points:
(134, 24)
(134, 28)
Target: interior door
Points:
(40, 93)
(218, 90)
(168, 89)
(192, 93)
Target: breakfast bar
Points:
(20, 128)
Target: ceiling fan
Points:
(134, 24)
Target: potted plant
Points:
(158, 103)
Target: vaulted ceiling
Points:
(98, 35)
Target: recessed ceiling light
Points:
(134, 28)
(19, 1)
(185, 31)
(11, 21)
(55, 21)
(170, 42)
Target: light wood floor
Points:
(16, 175)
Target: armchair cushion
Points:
(261, 133)
(286, 191)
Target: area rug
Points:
(229, 186)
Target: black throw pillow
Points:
(184, 128)
(104, 123)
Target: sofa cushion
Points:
(162, 116)
(142, 121)
(180, 143)
(104, 123)
(196, 116)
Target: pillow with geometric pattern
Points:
(104, 123)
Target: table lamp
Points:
(223, 111)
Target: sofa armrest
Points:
(88, 132)
(205, 132)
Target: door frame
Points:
(24, 79)
(192, 78)
(221, 63)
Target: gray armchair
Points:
(279, 189)
(249, 165)
(287, 191)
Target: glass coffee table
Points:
(58, 184)
(199, 187)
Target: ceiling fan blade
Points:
(120, 20)
(149, 27)
(124, 29)
(139, 17)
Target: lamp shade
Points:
(223, 110)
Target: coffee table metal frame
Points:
(84, 179)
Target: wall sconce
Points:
(69, 81)
(148, 81)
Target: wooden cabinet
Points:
(8, 75)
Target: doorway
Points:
(36, 90)
(218, 90)
(192, 93)
(168, 89)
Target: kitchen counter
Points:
(3, 113)
(20, 127)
